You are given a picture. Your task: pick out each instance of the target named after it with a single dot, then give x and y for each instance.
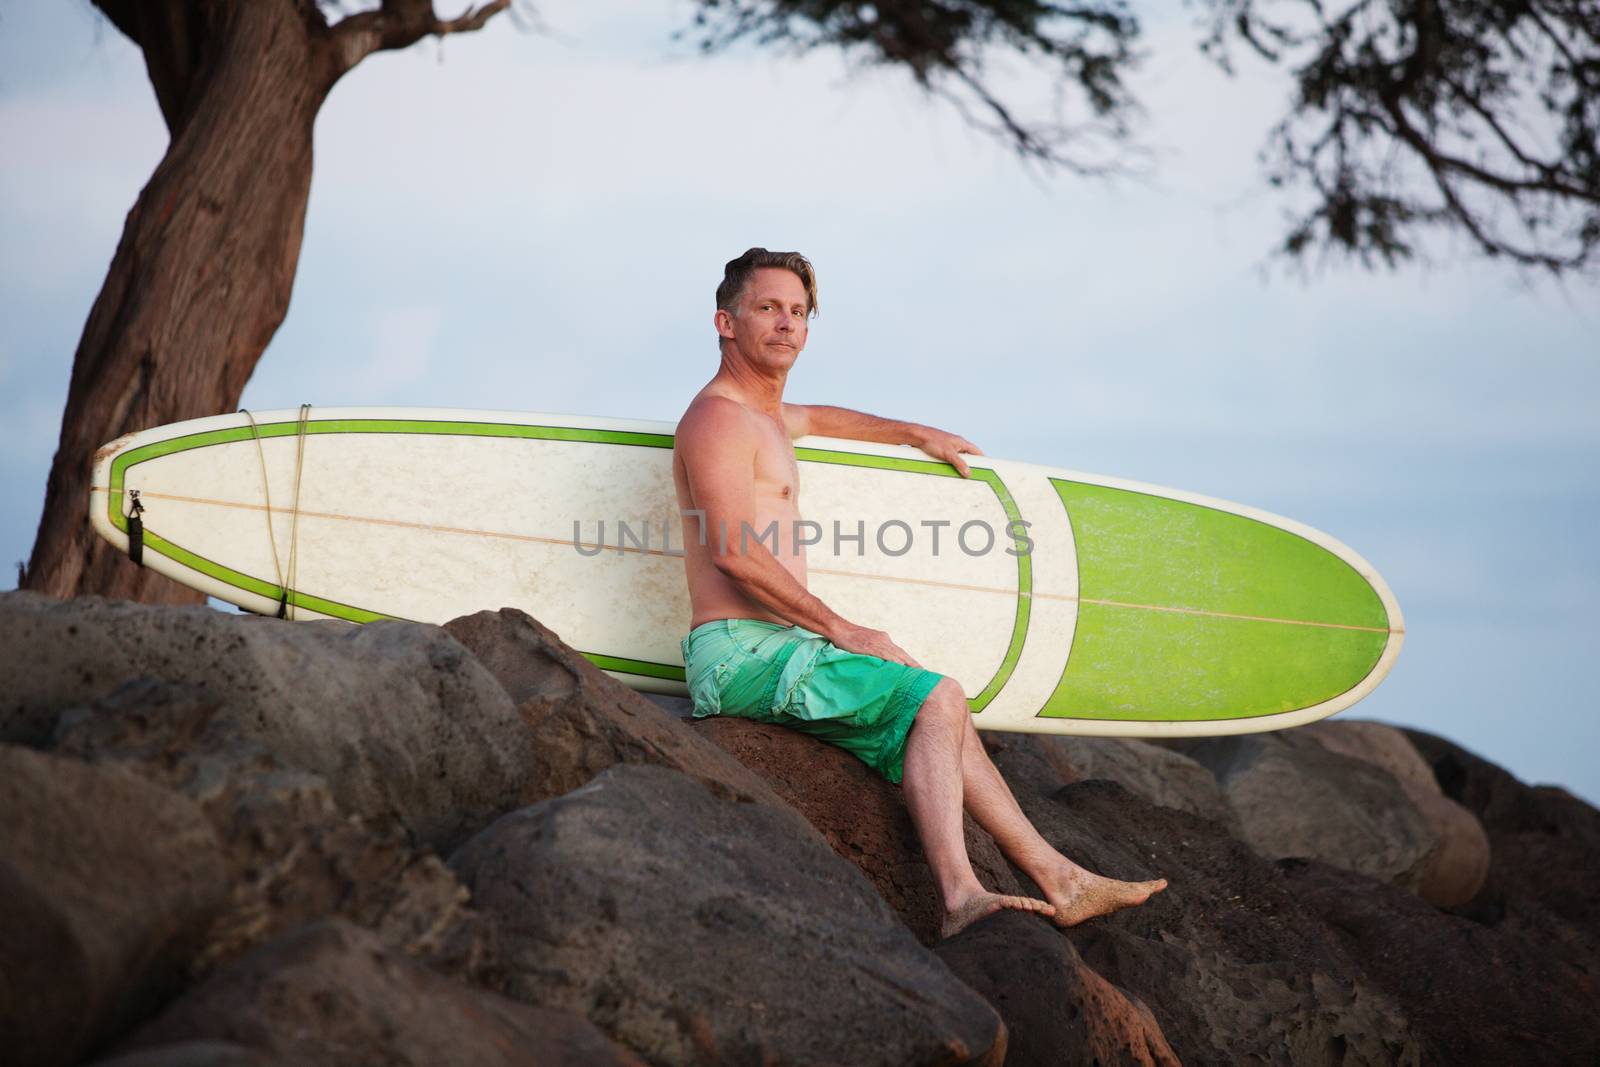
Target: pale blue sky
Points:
(538, 222)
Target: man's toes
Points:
(1040, 907)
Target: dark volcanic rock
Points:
(334, 994)
(1297, 799)
(1544, 852)
(1473, 994)
(585, 720)
(1159, 775)
(862, 816)
(1055, 1007)
(107, 885)
(398, 717)
(292, 855)
(1454, 872)
(699, 930)
(195, 1054)
(1235, 969)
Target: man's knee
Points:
(946, 700)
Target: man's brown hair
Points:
(736, 275)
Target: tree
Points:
(1474, 116)
(203, 272)
(201, 277)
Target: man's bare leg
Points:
(934, 784)
(1076, 893)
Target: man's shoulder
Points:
(713, 413)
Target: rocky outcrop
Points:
(1454, 871)
(292, 855)
(1538, 1010)
(1295, 798)
(585, 721)
(398, 718)
(1161, 776)
(1229, 962)
(1055, 1007)
(107, 886)
(195, 1054)
(220, 844)
(695, 930)
(861, 816)
(333, 994)
(1544, 848)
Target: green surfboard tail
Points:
(1194, 614)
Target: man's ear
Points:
(723, 321)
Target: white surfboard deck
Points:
(1123, 609)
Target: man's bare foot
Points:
(974, 908)
(1082, 895)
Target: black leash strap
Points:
(136, 530)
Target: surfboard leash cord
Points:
(284, 587)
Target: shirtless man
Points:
(762, 647)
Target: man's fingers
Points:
(905, 657)
(960, 465)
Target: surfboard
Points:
(1062, 602)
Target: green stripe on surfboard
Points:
(1019, 626)
(1286, 624)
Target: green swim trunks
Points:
(791, 676)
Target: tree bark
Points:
(202, 275)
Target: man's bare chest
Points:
(776, 472)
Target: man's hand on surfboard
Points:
(866, 641)
(947, 447)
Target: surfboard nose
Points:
(1197, 614)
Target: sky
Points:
(537, 221)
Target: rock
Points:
(292, 855)
(1232, 965)
(1473, 994)
(681, 708)
(1502, 802)
(397, 717)
(1296, 799)
(195, 1054)
(861, 816)
(1544, 849)
(1375, 743)
(333, 994)
(1456, 869)
(1055, 1007)
(695, 930)
(107, 885)
(583, 720)
(1159, 775)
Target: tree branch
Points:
(399, 24)
(1428, 114)
(942, 45)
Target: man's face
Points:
(770, 329)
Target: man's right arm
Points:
(718, 447)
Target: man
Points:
(762, 647)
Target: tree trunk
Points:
(203, 272)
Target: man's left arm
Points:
(803, 419)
